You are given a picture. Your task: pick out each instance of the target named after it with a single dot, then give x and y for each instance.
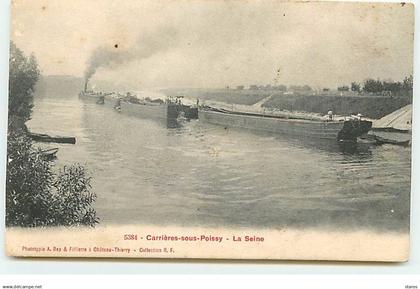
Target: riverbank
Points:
(371, 106)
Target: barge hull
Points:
(162, 112)
(298, 128)
(157, 112)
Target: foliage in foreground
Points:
(36, 196)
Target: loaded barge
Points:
(340, 130)
(170, 112)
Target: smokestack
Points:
(86, 84)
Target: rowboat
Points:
(49, 154)
(40, 137)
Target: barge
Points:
(169, 112)
(340, 130)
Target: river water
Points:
(205, 175)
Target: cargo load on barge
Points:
(343, 129)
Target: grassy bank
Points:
(370, 106)
(367, 105)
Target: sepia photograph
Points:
(210, 129)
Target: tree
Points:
(35, 194)
(23, 75)
(404, 88)
(372, 86)
(355, 87)
(392, 86)
(407, 84)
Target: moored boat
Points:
(341, 130)
(49, 154)
(42, 137)
(167, 112)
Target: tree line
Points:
(369, 86)
(372, 86)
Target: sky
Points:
(197, 43)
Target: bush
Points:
(73, 201)
(36, 196)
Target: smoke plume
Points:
(146, 45)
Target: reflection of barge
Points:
(169, 111)
(343, 130)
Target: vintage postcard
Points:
(210, 129)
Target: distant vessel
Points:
(168, 111)
(342, 130)
(96, 97)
